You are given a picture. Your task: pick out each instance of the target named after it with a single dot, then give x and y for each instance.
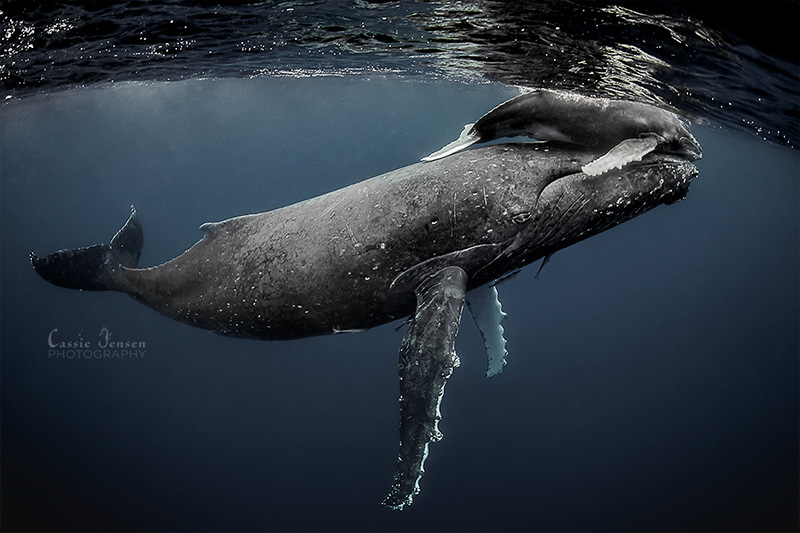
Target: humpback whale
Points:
(625, 130)
(415, 242)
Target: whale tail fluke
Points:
(94, 268)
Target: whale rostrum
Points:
(418, 241)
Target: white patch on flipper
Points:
(337, 331)
(625, 152)
(464, 140)
(485, 307)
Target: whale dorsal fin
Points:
(210, 228)
(487, 311)
(627, 151)
(426, 360)
(230, 225)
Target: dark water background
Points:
(653, 370)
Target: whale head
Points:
(577, 206)
(560, 205)
(676, 138)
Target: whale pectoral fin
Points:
(427, 359)
(487, 311)
(464, 140)
(625, 152)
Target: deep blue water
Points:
(652, 381)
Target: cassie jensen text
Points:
(104, 348)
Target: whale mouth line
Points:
(652, 160)
(659, 158)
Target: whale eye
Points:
(521, 218)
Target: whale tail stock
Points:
(94, 268)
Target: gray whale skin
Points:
(410, 242)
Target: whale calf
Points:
(625, 130)
(418, 241)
